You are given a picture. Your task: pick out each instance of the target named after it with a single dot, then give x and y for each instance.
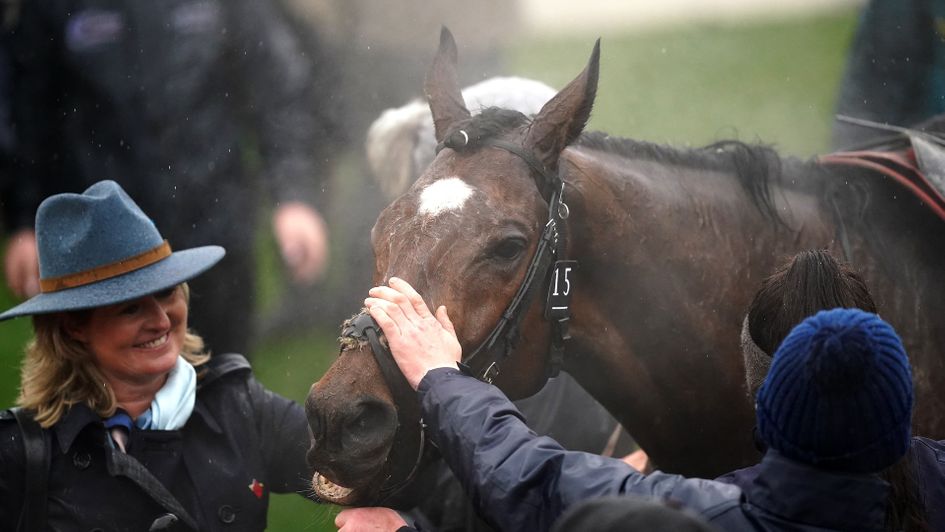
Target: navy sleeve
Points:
(521, 481)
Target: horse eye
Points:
(509, 248)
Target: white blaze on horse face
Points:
(448, 194)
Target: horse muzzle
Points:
(351, 442)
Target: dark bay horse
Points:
(671, 245)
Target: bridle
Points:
(498, 345)
(546, 264)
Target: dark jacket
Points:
(929, 462)
(927, 467)
(520, 481)
(241, 443)
(162, 97)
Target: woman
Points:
(140, 429)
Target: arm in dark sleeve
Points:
(888, 74)
(34, 45)
(520, 481)
(285, 438)
(12, 471)
(287, 87)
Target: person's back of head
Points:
(839, 394)
(809, 282)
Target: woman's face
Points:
(138, 340)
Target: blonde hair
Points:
(58, 370)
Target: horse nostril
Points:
(370, 421)
(315, 420)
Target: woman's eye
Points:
(128, 310)
(164, 294)
(509, 249)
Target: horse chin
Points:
(330, 492)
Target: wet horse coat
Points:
(671, 246)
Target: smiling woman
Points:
(113, 376)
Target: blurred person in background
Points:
(8, 10)
(895, 72)
(384, 50)
(124, 422)
(185, 104)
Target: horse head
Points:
(467, 235)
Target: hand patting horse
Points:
(669, 247)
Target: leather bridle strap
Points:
(363, 327)
(548, 183)
(550, 246)
(507, 328)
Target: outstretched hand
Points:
(418, 340)
(303, 241)
(21, 264)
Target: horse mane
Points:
(754, 165)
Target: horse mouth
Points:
(330, 492)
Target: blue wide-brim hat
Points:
(99, 248)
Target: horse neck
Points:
(669, 256)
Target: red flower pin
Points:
(257, 488)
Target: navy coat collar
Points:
(801, 493)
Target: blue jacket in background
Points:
(520, 481)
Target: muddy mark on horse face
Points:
(448, 194)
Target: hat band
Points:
(106, 271)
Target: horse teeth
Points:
(329, 491)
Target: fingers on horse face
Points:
(404, 287)
(444, 319)
(383, 319)
(383, 293)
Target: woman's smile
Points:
(157, 342)
(138, 340)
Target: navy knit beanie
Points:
(839, 393)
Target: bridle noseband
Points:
(363, 328)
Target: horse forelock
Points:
(491, 123)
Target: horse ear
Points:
(562, 119)
(442, 87)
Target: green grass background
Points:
(772, 82)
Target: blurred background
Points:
(681, 72)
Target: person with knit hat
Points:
(123, 421)
(811, 281)
(839, 394)
(835, 406)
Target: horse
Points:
(626, 263)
